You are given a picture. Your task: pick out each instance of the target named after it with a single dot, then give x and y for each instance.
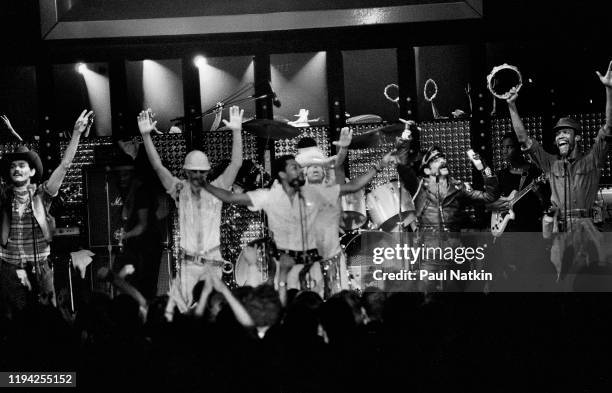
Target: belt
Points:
(300, 256)
(199, 259)
(576, 213)
(436, 228)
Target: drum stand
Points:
(400, 221)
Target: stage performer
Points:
(199, 211)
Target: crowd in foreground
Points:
(245, 340)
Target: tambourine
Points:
(502, 79)
(387, 96)
(430, 83)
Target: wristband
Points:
(282, 284)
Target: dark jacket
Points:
(453, 215)
(453, 205)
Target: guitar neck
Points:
(523, 192)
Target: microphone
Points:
(297, 183)
(275, 101)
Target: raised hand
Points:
(607, 78)
(8, 125)
(126, 271)
(285, 263)
(6, 122)
(346, 136)
(146, 123)
(83, 124)
(511, 100)
(235, 121)
(407, 134)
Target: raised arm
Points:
(125, 287)
(517, 122)
(9, 127)
(206, 291)
(241, 314)
(146, 125)
(235, 124)
(228, 196)
(81, 126)
(346, 135)
(360, 182)
(606, 80)
(491, 186)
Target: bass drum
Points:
(253, 267)
(359, 249)
(383, 202)
(354, 213)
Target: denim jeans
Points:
(15, 295)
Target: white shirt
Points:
(199, 220)
(284, 214)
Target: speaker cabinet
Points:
(104, 206)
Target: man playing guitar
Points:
(517, 176)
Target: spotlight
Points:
(199, 61)
(81, 68)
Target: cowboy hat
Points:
(22, 153)
(313, 156)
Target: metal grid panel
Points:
(502, 125)
(318, 133)
(218, 146)
(454, 138)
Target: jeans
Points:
(14, 292)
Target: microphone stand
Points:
(36, 271)
(232, 99)
(303, 229)
(566, 198)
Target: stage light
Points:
(199, 61)
(81, 68)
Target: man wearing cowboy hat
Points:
(327, 226)
(199, 211)
(27, 228)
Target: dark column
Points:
(263, 107)
(408, 93)
(118, 99)
(47, 134)
(192, 102)
(335, 95)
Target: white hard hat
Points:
(196, 161)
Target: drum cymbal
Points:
(275, 130)
(393, 129)
(365, 140)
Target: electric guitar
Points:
(500, 219)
